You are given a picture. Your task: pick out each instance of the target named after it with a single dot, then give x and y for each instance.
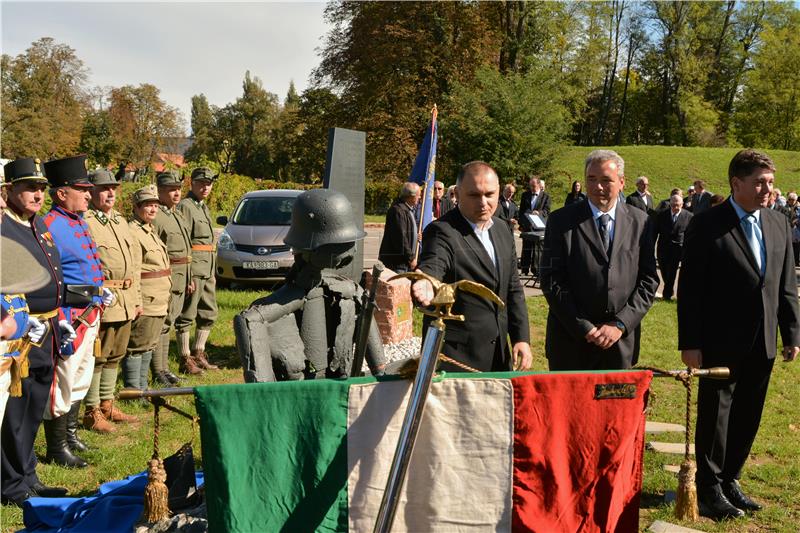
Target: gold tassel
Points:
(24, 365)
(686, 501)
(15, 389)
(156, 495)
(97, 348)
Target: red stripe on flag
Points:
(577, 459)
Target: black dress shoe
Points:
(173, 379)
(733, 491)
(17, 501)
(48, 492)
(715, 505)
(162, 380)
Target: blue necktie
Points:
(754, 239)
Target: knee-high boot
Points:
(73, 441)
(58, 452)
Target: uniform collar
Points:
(166, 209)
(193, 198)
(67, 213)
(8, 212)
(105, 219)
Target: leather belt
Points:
(80, 295)
(157, 274)
(118, 283)
(180, 260)
(202, 247)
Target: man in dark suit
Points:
(536, 202)
(438, 201)
(702, 198)
(670, 225)
(641, 198)
(598, 273)
(468, 243)
(736, 290)
(506, 208)
(398, 246)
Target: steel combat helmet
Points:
(321, 217)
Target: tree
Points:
(513, 122)
(142, 122)
(44, 101)
(203, 125)
(97, 139)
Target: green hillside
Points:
(668, 167)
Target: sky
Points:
(183, 48)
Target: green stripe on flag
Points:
(280, 463)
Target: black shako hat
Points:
(69, 171)
(26, 168)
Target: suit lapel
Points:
(739, 237)
(590, 232)
(621, 228)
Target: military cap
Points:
(102, 177)
(203, 174)
(69, 171)
(26, 168)
(169, 177)
(20, 272)
(144, 194)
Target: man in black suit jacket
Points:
(506, 208)
(598, 274)
(702, 198)
(736, 290)
(536, 202)
(468, 243)
(641, 198)
(398, 246)
(670, 225)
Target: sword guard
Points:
(444, 294)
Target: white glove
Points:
(36, 329)
(108, 297)
(67, 332)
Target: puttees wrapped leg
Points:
(314, 333)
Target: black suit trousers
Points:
(669, 257)
(531, 253)
(728, 416)
(21, 422)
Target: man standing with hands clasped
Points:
(736, 290)
(598, 273)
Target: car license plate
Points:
(260, 265)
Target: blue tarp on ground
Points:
(117, 506)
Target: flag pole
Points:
(418, 240)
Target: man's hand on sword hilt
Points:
(444, 294)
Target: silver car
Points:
(251, 248)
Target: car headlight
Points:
(225, 242)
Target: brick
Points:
(395, 309)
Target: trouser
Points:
(5, 383)
(728, 416)
(23, 416)
(796, 250)
(668, 265)
(199, 307)
(113, 342)
(531, 252)
(73, 376)
(145, 335)
(161, 352)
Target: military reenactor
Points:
(156, 283)
(84, 298)
(171, 228)
(200, 304)
(25, 184)
(121, 275)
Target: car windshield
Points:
(264, 211)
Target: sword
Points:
(443, 300)
(367, 312)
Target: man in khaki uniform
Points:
(171, 228)
(156, 286)
(200, 305)
(121, 272)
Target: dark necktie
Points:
(605, 236)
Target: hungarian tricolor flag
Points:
(544, 452)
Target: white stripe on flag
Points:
(459, 477)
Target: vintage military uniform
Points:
(156, 285)
(201, 305)
(23, 414)
(171, 228)
(121, 272)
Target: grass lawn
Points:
(772, 474)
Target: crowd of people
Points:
(110, 291)
(598, 272)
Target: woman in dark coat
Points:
(575, 195)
